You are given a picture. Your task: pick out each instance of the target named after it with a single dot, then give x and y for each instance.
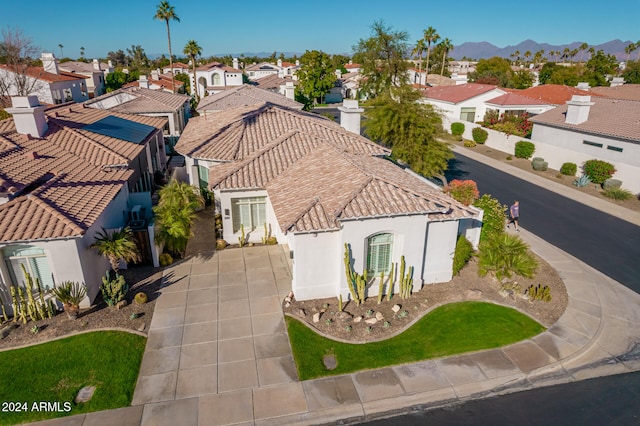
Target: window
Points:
(215, 80)
(203, 177)
(57, 99)
(614, 148)
(379, 250)
(68, 96)
(34, 261)
(597, 145)
(250, 212)
(468, 114)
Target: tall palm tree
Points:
(165, 12)
(117, 245)
(430, 36)
(193, 49)
(61, 54)
(447, 46)
(583, 47)
(419, 50)
(527, 55)
(629, 49)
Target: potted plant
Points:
(70, 294)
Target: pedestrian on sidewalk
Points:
(514, 214)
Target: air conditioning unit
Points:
(136, 213)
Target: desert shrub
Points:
(165, 259)
(617, 193)
(465, 191)
(598, 170)
(480, 135)
(611, 183)
(457, 129)
(524, 149)
(582, 181)
(464, 252)
(493, 220)
(506, 255)
(469, 144)
(113, 289)
(569, 169)
(512, 124)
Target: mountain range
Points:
(484, 50)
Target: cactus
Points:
(392, 282)
(406, 281)
(340, 303)
(241, 239)
(357, 283)
(113, 291)
(539, 293)
(381, 288)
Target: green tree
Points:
(568, 76)
(316, 75)
(412, 130)
(598, 67)
(136, 57)
(115, 80)
(383, 57)
(431, 36)
(546, 71)
(117, 245)
(418, 50)
(631, 73)
(447, 46)
(494, 70)
(338, 62)
(192, 49)
(165, 12)
(522, 79)
(175, 214)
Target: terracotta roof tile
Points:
(555, 94)
(459, 93)
(515, 99)
(625, 91)
(244, 95)
(139, 100)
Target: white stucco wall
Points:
(452, 111)
(317, 265)
(441, 246)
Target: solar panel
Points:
(120, 128)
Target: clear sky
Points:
(240, 26)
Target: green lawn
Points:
(448, 330)
(54, 372)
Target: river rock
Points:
(371, 321)
(396, 308)
(379, 316)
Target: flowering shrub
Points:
(511, 124)
(464, 191)
(598, 170)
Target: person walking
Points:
(514, 212)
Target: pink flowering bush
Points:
(464, 191)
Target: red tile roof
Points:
(515, 99)
(459, 93)
(40, 74)
(211, 65)
(352, 66)
(554, 94)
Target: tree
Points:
(410, 129)
(117, 245)
(546, 72)
(418, 50)
(316, 75)
(568, 76)
(494, 70)
(136, 57)
(631, 73)
(117, 58)
(82, 52)
(522, 79)
(430, 36)
(165, 12)
(598, 67)
(338, 62)
(630, 49)
(583, 48)
(17, 53)
(193, 49)
(446, 47)
(61, 54)
(383, 58)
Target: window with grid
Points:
(379, 250)
(35, 263)
(250, 212)
(468, 114)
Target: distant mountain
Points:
(484, 50)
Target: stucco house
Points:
(466, 102)
(215, 77)
(264, 69)
(246, 94)
(94, 73)
(516, 104)
(592, 128)
(316, 186)
(178, 68)
(65, 173)
(49, 83)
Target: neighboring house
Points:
(553, 94)
(465, 102)
(316, 187)
(157, 81)
(66, 172)
(351, 67)
(50, 84)
(516, 104)
(351, 85)
(94, 73)
(593, 128)
(215, 77)
(241, 96)
(624, 91)
(282, 85)
(265, 69)
(153, 103)
(178, 68)
(462, 67)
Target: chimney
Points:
(235, 63)
(350, 114)
(155, 74)
(49, 63)
(110, 63)
(96, 65)
(583, 86)
(297, 63)
(617, 81)
(143, 82)
(280, 63)
(288, 89)
(578, 109)
(28, 116)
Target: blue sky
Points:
(332, 26)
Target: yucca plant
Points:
(506, 255)
(70, 294)
(617, 193)
(117, 245)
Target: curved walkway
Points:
(218, 352)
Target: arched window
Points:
(379, 251)
(215, 80)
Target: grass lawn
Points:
(448, 330)
(54, 372)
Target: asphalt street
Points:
(608, 244)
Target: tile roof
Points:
(87, 67)
(68, 172)
(40, 74)
(244, 95)
(315, 172)
(459, 93)
(274, 81)
(139, 100)
(352, 66)
(212, 65)
(554, 94)
(608, 117)
(515, 99)
(263, 66)
(625, 91)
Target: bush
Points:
(598, 170)
(464, 191)
(457, 129)
(493, 221)
(113, 290)
(611, 183)
(617, 193)
(165, 259)
(524, 149)
(464, 252)
(480, 135)
(469, 144)
(506, 255)
(569, 169)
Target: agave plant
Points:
(582, 181)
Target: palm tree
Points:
(166, 12)
(82, 51)
(117, 245)
(193, 49)
(630, 49)
(419, 50)
(430, 36)
(527, 55)
(583, 47)
(447, 46)
(61, 54)
(566, 53)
